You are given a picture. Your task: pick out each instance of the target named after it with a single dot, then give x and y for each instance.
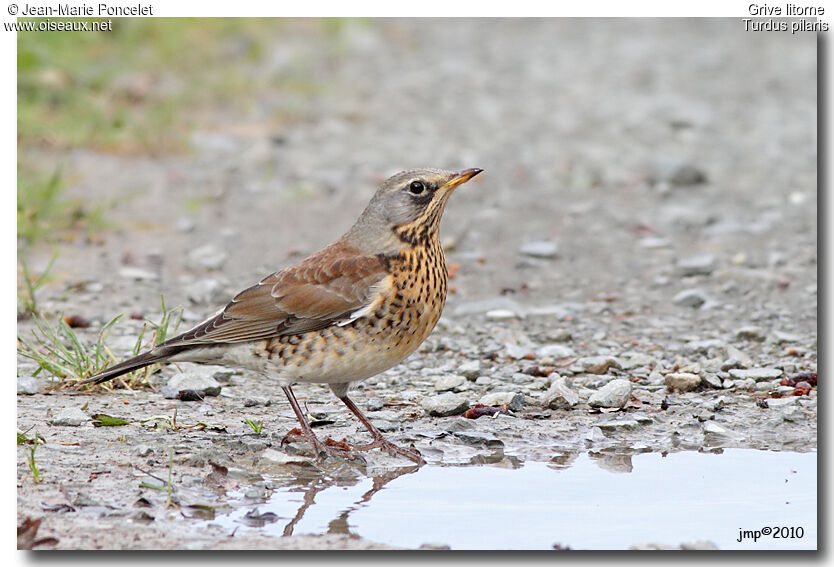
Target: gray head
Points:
(407, 208)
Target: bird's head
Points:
(407, 207)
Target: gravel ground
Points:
(635, 269)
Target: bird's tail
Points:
(139, 361)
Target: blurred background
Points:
(614, 149)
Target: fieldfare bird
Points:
(347, 312)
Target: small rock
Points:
(500, 314)
(445, 404)
(712, 428)
(185, 224)
(682, 381)
(554, 351)
(560, 396)
(205, 291)
(539, 249)
(208, 257)
(470, 369)
(694, 298)
(200, 384)
(596, 435)
(750, 334)
(757, 374)
(274, 457)
(635, 360)
(374, 404)
(652, 242)
(598, 364)
(780, 337)
(449, 382)
(782, 402)
(143, 450)
(485, 305)
(134, 273)
(615, 394)
(713, 380)
(676, 171)
(615, 424)
(29, 385)
(558, 335)
(72, 417)
(792, 413)
(702, 264)
(702, 347)
(478, 438)
(513, 400)
(517, 351)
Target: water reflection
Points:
(573, 500)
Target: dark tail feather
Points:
(131, 364)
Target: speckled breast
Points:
(406, 311)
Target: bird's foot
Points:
(386, 445)
(321, 450)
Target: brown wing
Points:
(319, 291)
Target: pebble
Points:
(713, 380)
(478, 438)
(652, 242)
(702, 347)
(617, 424)
(757, 374)
(560, 396)
(682, 381)
(143, 450)
(205, 291)
(702, 264)
(694, 297)
(555, 351)
(29, 385)
(712, 428)
(449, 382)
(374, 404)
(484, 305)
(444, 405)
(185, 224)
(596, 435)
(635, 360)
(792, 413)
(598, 364)
(72, 417)
(501, 314)
(750, 334)
(516, 351)
(615, 394)
(274, 457)
(200, 384)
(207, 257)
(558, 335)
(134, 273)
(470, 369)
(782, 337)
(782, 402)
(513, 400)
(539, 249)
(676, 171)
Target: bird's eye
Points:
(416, 188)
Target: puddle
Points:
(592, 502)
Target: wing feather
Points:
(324, 289)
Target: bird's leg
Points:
(379, 440)
(319, 448)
